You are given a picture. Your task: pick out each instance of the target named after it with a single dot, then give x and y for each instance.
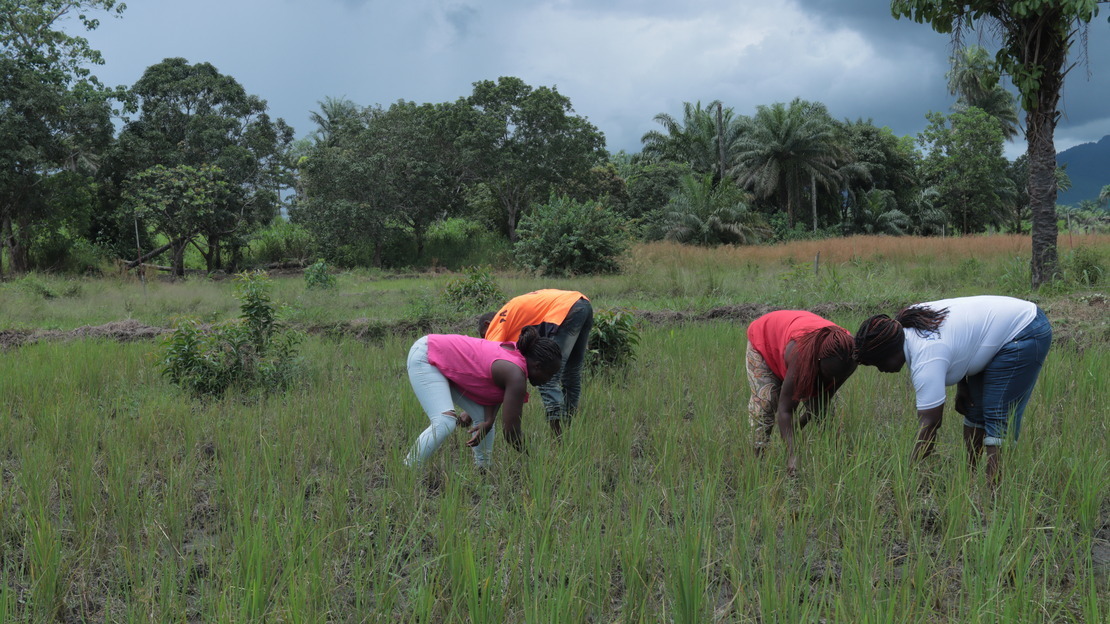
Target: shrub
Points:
(565, 237)
(281, 241)
(475, 291)
(613, 339)
(249, 353)
(1083, 266)
(317, 276)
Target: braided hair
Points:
(810, 348)
(543, 353)
(880, 335)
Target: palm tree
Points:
(702, 139)
(706, 214)
(785, 148)
(333, 116)
(974, 79)
(1104, 196)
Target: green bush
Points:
(613, 339)
(281, 241)
(566, 237)
(317, 276)
(1083, 266)
(475, 291)
(249, 353)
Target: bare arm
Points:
(929, 420)
(784, 413)
(510, 377)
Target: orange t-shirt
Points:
(770, 333)
(548, 306)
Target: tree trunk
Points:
(813, 197)
(19, 251)
(1040, 124)
(179, 258)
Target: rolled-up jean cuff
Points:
(968, 423)
(987, 441)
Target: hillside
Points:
(1088, 168)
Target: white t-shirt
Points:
(967, 340)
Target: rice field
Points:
(123, 499)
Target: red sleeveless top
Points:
(770, 333)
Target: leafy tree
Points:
(879, 214)
(1104, 196)
(974, 78)
(787, 149)
(55, 120)
(964, 161)
(704, 139)
(194, 115)
(704, 214)
(875, 160)
(525, 142)
(567, 237)
(1036, 36)
(178, 202)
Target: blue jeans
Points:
(560, 395)
(1005, 385)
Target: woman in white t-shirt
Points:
(992, 348)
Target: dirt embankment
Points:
(1078, 321)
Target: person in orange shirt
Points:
(793, 355)
(566, 317)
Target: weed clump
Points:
(317, 276)
(475, 291)
(252, 352)
(613, 340)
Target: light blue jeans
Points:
(438, 396)
(1000, 392)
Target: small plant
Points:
(476, 290)
(249, 352)
(317, 276)
(613, 339)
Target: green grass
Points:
(122, 499)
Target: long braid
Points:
(539, 351)
(880, 335)
(810, 349)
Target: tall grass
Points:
(123, 499)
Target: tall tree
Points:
(964, 161)
(55, 117)
(703, 138)
(1036, 37)
(525, 142)
(787, 149)
(975, 80)
(191, 114)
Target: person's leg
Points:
(434, 393)
(974, 426)
(577, 325)
(560, 393)
(1008, 382)
(483, 453)
(764, 398)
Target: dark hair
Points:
(543, 352)
(484, 322)
(810, 349)
(880, 335)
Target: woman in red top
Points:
(480, 376)
(793, 356)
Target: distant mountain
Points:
(1088, 168)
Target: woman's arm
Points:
(784, 412)
(929, 420)
(510, 377)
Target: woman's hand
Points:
(463, 419)
(478, 432)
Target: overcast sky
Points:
(620, 62)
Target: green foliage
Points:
(281, 241)
(318, 276)
(39, 288)
(248, 353)
(704, 213)
(1084, 266)
(565, 237)
(613, 339)
(475, 291)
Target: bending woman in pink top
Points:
(480, 376)
(793, 355)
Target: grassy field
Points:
(123, 499)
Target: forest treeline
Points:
(185, 163)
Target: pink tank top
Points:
(770, 333)
(467, 362)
